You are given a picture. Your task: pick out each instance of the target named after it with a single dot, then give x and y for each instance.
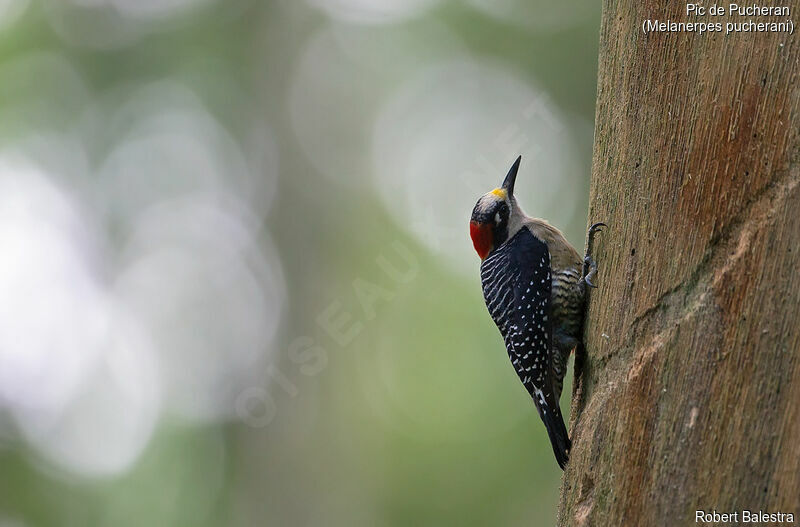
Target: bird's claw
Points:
(596, 228)
(589, 266)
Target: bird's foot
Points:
(596, 228)
(589, 265)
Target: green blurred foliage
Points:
(417, 420)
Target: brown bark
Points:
(689, 398)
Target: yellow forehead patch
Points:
(500, 193)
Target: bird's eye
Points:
(497, 219)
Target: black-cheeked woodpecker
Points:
(534, 284)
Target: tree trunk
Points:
(689, 395)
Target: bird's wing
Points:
(517, 287)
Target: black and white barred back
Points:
(567, 299)
(517, 285)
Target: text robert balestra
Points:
(743, 516)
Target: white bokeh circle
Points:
(210, 296)
(77, 374)
(11, 11)
(451, 133)
(171, 146)
(332, 112)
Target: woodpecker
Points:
(534, 284)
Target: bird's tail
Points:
(557, 432)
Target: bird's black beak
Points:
(511, 177)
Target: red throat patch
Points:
(482, 238)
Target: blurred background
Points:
(236, 282)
